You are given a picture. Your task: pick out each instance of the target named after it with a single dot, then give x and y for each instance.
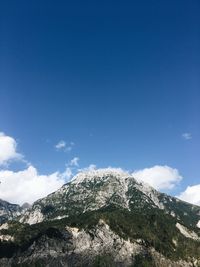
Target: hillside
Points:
(104, 218)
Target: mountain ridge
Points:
(122, 180)
(106, 216)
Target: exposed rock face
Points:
(101, 240)
(104, 218)
(75, 247)
(8, 211)
(93, 190)
(187, 233)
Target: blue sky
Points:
(119, 80)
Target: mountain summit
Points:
(105, 218)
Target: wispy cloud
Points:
(64, 146)
(74, 162)
(60, 145)
(187, 136)
(67, 174)
(69, 146)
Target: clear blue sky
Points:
(120, 79)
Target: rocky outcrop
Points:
(8, 211)
(103, 218)
(77, 247)
(89, 191)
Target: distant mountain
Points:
(104, 218)
(26, 206)
(8, 211)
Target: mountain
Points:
(26, 206)
(8, 211)
(104, 218)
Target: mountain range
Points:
(102, 217)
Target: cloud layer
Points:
(160, 177)
(8, 149)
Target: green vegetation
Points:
(143, 222)
(103, 261)
(144, 261)
(156, 228)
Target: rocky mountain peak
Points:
(107, 213)
(99, 174)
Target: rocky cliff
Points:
(104, 218)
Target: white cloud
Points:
(60, 145)
(63, 146)
(8, 149)
(187, 136)
(191, 194)
(74, 162)
(28, 185)
(160, 177)
(91, 167)
(67, 174)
